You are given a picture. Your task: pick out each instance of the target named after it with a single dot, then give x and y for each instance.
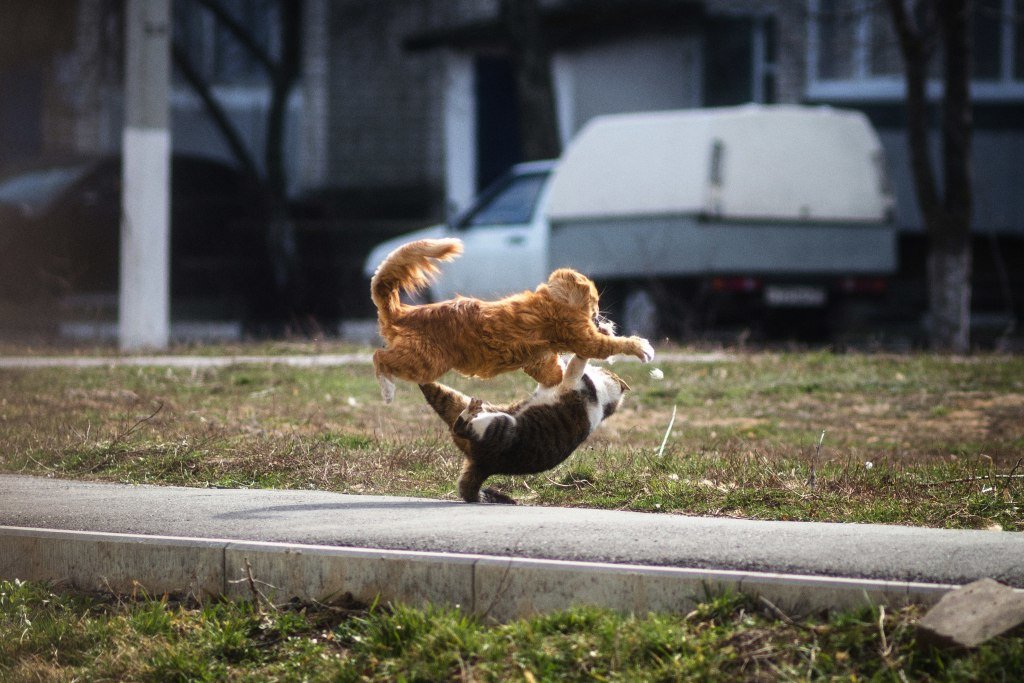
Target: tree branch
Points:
(956, 117)
(283, 79)
(523, 23)
(241, 34)
(916, 54)
(216, 112)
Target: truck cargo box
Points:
(743, 190)
(764, 163)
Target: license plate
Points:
(798, 296)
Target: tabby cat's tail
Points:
(445, 401)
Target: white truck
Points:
(686, 218)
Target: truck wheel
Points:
(640, 314)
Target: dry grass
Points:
(914, 439)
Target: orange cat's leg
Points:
(597, 345)
(384, 376)
(547, 371)
(419, 366)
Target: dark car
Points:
(60, 236)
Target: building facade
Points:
(408, 106)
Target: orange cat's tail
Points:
(408, 269)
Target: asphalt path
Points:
(321, 518)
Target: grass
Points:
(916, 439)
(47, 635)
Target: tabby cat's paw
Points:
(492, 495)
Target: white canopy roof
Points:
(780, 162)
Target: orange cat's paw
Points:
(644, 350)
(387, 389)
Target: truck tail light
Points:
(743, 285)
(863, 285)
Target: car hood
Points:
(380, 252)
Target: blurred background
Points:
(306, 132)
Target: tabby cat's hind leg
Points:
(469, 487)
(470, 481)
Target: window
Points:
(987, 28)
(884, 58)
(511, 202)
(765, 67)
(215, 52)
(739, 60)
(1018, 52)
(728, 61)
(838, 22)
(853, 51)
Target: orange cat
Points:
(484, 338)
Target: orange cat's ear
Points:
(572, 288)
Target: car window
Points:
(36, 189)
(511, 203)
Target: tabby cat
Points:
(527, 437)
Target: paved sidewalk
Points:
(804, 565)
(321, 518)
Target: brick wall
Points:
(385, 121)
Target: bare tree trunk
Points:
(950, 248)
(282, 238)
(949, 298)
(282, 79)
(282, 74)
(537, 117)
(947, 216)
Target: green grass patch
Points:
(53, 635)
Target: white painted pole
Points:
(459, 133)
(145, 223)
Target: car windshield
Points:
(35, 189)
(511, 202)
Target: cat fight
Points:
(549, 333)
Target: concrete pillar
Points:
(563, 77)
(145, 223)
(459, 131)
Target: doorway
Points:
(499, 139)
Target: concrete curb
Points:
(501, 588)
